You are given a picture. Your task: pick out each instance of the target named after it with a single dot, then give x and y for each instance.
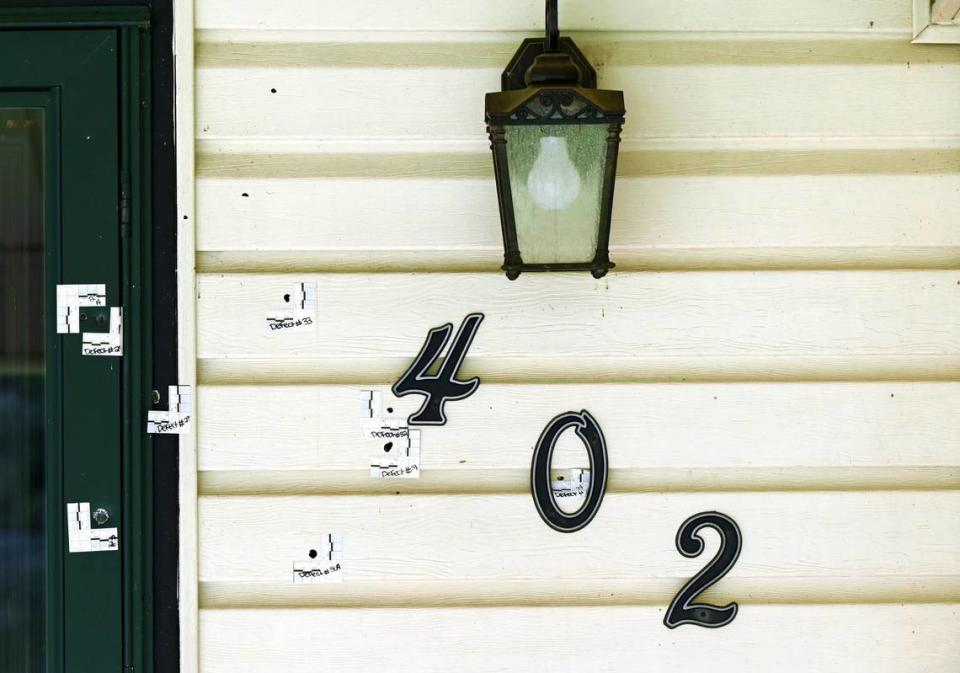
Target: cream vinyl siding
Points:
(780, 341)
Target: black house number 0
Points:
(444, 386)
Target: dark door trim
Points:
(148, 193)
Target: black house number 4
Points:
(444, 386)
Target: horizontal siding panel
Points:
(501, 537)
(475, 50)
(647, 427)
(560, 321)
(646, 369)
(419, 222)
(785, 639)
(657, 591)
(712, 90)
(527, 15)
(626, 480)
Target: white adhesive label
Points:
(70, 298)
(177, 419)
(400, 445)
(325, 566)
(108, 343)
(300, 312)
(82, 537)
(400, 458)
(371, 404)
(572, 484)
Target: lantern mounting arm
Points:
(553, 26)
(515, 75)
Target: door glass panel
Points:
(22, 491)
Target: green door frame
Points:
(118, 38)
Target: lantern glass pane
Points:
(556, 179)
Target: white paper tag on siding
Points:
(69, 300)
(326, 567)
(108, 343)
(300, 313)
(177, 419)
(574, 483)
(82, 537)
(400, 457)
(400, 461)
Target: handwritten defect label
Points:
(168, 423)
(282, 321)
(312, 572)
(376, 430)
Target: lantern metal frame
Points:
(550, 82)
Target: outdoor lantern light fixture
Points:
(555, 138)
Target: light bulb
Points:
(553, 181)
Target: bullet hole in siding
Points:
(389, 410)
(891, 394)
(312, 553)
(871, 24)
(388, 446)
(286, 298)
(245, 195)
(185, 217)
(273, 91)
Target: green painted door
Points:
(61, 412)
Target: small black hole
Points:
(313, 553)
(245, 195)
(83, 316)
(388, 446)
(286, 298)
(389, 410)
(273, 91)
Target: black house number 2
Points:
(444, 386)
